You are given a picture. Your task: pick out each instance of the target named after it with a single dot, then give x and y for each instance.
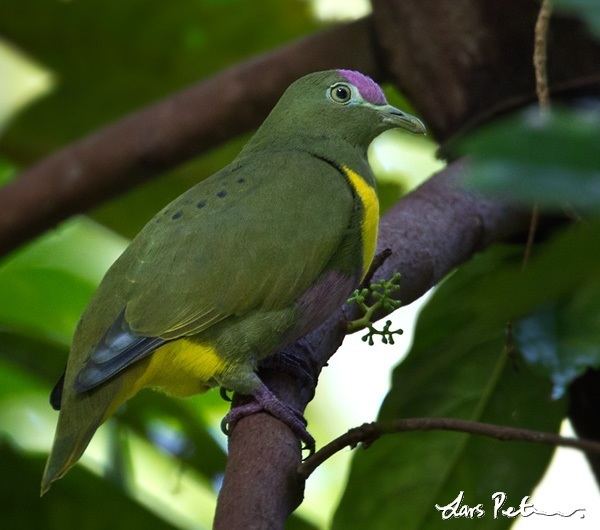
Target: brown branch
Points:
(540, 54)
(540, 60)
(448, 57)
(453, 79)
(370, 432)
(147, 142)
(464, 62)
(430, 231)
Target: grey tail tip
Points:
(48, 479)
(45, 487)
(47, 482)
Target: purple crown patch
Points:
(369, 89)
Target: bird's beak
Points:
(397, 118)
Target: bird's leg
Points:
(265, 401)
(288, 362)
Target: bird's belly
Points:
(326, 295)
(182, 368)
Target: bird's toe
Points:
(224, 394)
(229, 422)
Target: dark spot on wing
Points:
(221, 194)
(200, 204)
(177, 215)
(241, 180)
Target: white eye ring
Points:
(340, 93)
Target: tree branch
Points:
(540, 57)
(458, 79)
(370, 432)
(464, 62)
(449, 57)
(540, 54)
(430, 231)
(152, 140)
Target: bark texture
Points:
(462, 62)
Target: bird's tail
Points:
(66, 450)
(181, 368)
(80, 417)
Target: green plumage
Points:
(236, 252)
(243, 263)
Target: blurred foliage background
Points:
(67, 67)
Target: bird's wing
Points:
(255, 235)
(262, 234)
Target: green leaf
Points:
(14, 380)
(109, 59)
(587, 10)
(23, 81)
(457, 367)
(79, 247)
(43, 302)
(112, 57)
(40, 359)
(561, 278)
(177, 427)
(563, 339)
(45, 286)
(7, 171)
(533, 156)
(84, 501)
(567, 262)
(296, 522)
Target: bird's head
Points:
(341, 104)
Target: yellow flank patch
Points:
(370, 221)
(182, 367)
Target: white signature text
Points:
(498, 507)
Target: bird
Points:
(242, 264)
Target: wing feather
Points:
(260, 245)
(257, 247)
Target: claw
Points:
(265, 401)
(308, 445)
(225, 426)
(231, 419)
(223, 392)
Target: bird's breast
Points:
(369, 224)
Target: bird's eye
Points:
(340, 93)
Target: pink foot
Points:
(265, 401)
